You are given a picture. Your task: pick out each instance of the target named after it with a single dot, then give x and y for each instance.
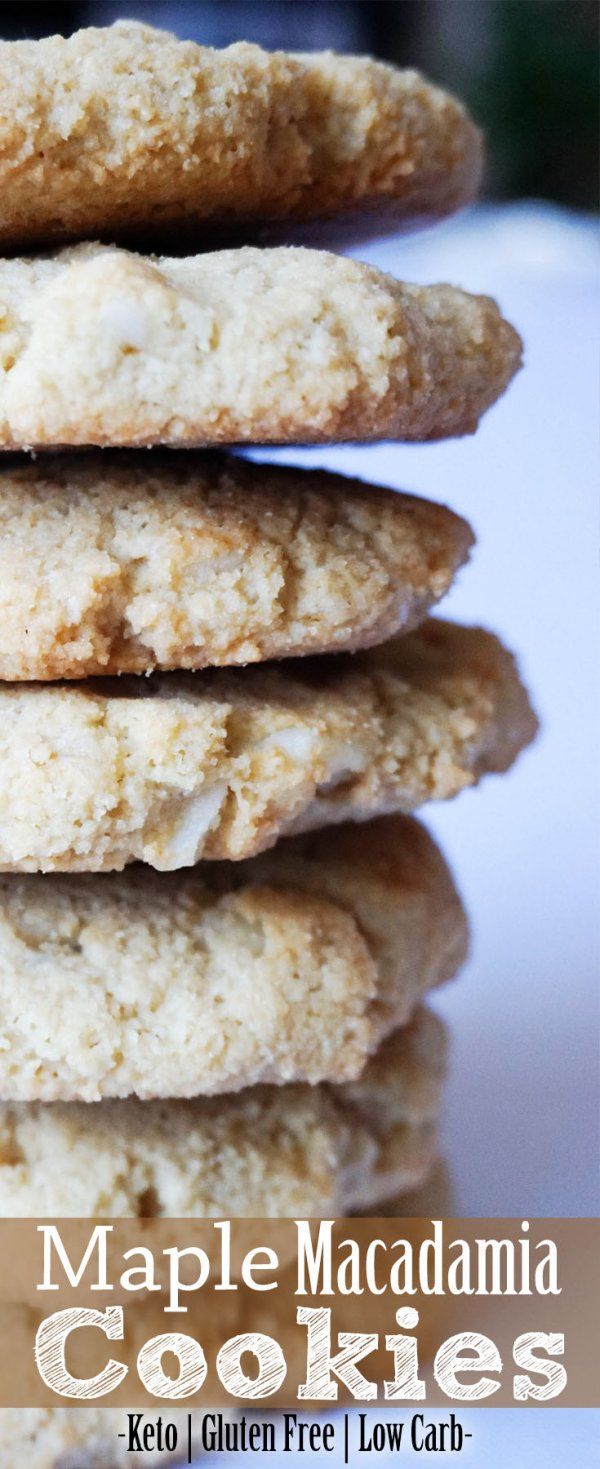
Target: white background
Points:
(520, 1132)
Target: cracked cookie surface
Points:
(128, 129)
(292, 966)
(123, 563)
(267, 1152)
(221, 763)
(102, 347)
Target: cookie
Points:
(99, 346)
(220, 764)
(129, 130)
(435, 1198)
(122, 563)
(268, 1152)
(290, 967)
(84, 1438)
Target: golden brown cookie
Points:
(83, 1438)
(290, 967)
(122, 563)
(265, 1152)
(222, 763)
(99, 346)
(129, 130)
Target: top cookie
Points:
(129, 130)
(100, 346)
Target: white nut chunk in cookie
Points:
(290, 967)
(129, 130)
(220, 764)
(264, 1152)
(102, 347)
(126, 562)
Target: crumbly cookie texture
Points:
(268, 1152)
(99, 346)
(80, 1438)
(220, 764)
(128, 129)
(122, 563)
(290, 967)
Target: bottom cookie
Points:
(263, 1152)
(268, 1151)
(81, 1438)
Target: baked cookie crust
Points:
(125, 562)
(102, 347)
(128, 130)
(291, 967)
(269, 1152)
(81, 1438)
(220, 764)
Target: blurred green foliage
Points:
(529, 72)
(527, 69)
(539, 101)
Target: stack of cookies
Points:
(222, 694)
